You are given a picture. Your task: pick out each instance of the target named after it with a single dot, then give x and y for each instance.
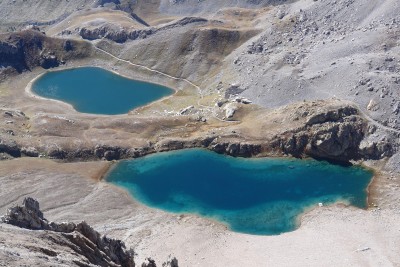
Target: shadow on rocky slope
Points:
(30, 48)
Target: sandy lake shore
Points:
(334, 235)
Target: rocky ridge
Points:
(328, 131)
(328, 135)
(30, 48)
(120, 35)
(85, 245)
(302, 51)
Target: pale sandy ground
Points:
(333, 236)
(328, 236)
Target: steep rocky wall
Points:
(30, 48)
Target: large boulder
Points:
(335, 134)
(9, 147)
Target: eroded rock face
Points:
(235, 148)
(149, 262)
(89, 247)
(26, 216)
(377, 149)
(334, 134)
(30, 48)
(335, 140)
(9, 147)
(321, 130)
(99, 250)
(331, 115)
(120, 35)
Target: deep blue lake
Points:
(98, 91)
(255, 196)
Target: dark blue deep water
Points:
(255, 196)
(97, 91)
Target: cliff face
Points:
(30, 48)
(332, 134)
(80, 238)
(120, 35)
(59, 244)
(334, 131)
(11, 54)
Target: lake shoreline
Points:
(117, 174)
(113, 212)
(109, 90)
(150, 130)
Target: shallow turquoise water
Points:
(255, 196)
(97, 91)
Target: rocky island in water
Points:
(199, 133)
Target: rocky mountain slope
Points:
(298, 78)
(345, 49)
(38, 242)
(271, 53)
(31, 48)
(15, 14)
(303, 50)
(324, 44)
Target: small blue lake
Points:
(98, 91)
(255, 196)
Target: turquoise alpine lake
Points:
(98, 91)
(264, 196)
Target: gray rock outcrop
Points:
(89, 247)
(336, 134)
(99, 250)
(9, 147)
(149, 262)
(30, 48)
(120, 35)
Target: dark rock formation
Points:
(119, 35)
(31, 48)
(331, 115)
(108, 152)
(149, 262)
(335, 134)
(236, 149)
(109, 32)
(96, 249)
(377, 149)
(9, 147)
(334, 140)
(99, 250)
(171, 263)
(103, 2)
(29, 152)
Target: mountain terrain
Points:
(252, 78)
